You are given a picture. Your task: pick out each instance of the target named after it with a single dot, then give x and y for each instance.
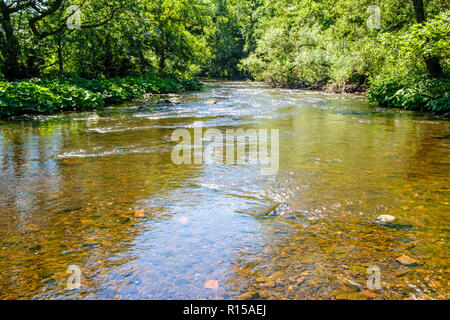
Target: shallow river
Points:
(73, 186)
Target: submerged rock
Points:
(268, 284)
(300, 281)
(355, 284)
(446, 137)
(165, 101)
(406, 261)
(278, 210)
(248, 295)
(370, 294)
(94, 117)
(139, 214)
(173, 100)
(388, 221)
(385, 218)
(352, 113)
(212, 284)
(264, 294)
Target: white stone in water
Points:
(385, 218)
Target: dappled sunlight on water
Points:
(71, 186)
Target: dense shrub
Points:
(331, 44)
(47, 96)
(402, 81)
(28, 97)
(424, 95)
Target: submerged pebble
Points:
(139, 214)
(248, 295)
(406, 261)
(278, 210)
(212, 284)
(385, 218)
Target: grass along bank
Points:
(49, 96)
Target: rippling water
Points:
(71, 184)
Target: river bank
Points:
(50, 96)
(423, 95)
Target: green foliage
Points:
(287, 43)
(425, 95)
(287, 57)
(232, 38)
(328, 44)
(429, 39)
(316, 42)
(117, 90)
(32, 98)
(117, 38)
(38, 96)
(402, 80)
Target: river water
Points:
(71, 185)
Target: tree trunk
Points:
(433, 64)
(434, 68)
(60, 57)
(162, 64)
(11, 68)
(109, 69)
(419, 12)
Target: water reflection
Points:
(70, 185)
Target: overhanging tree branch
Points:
(19, 5)
(101, 23)
(61, 27)
(51, 9)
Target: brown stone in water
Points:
(264, 294)
(212, 284)
(406, 261)
(242, 270)
(139, 214)
(369, 294)
(247, 295)
(278, 276)
(268, 284)
(300, 281)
